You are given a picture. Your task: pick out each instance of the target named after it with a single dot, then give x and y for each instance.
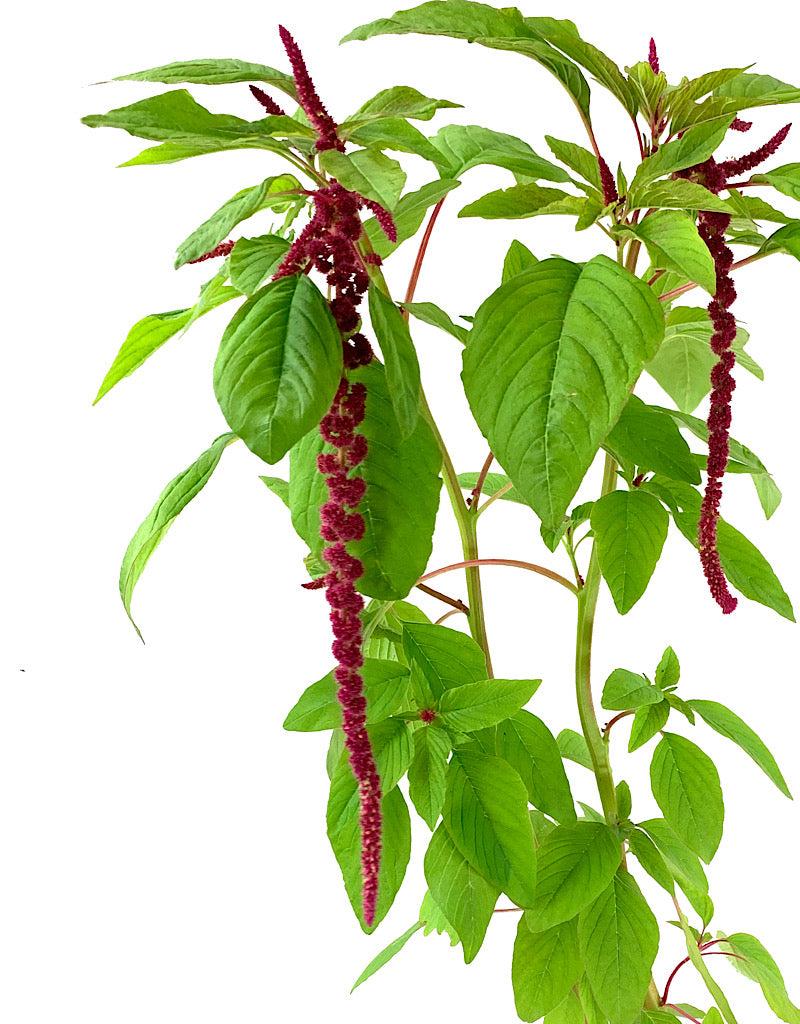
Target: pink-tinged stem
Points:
(423, 248)
(703, 952)
(446, 615)
(452, 601)
(476, 491)
(615, 719)
(683, 1013)
(512, 562)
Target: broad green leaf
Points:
(386, 685)
(396, 134)
(590, 814)
(465, 146)
(386, 955)
(466, 898)
(434, 920)
(592, 1012)
(746, 91)
(486, 813)
(785, 179)
(684, 866)
(619, 940)
(574, 747)
(630, 528)
(408, 215)
(427, 774)
(518, 259)
(649, 438)
(529, 747)
(429, 313)
(679, 704)
(668, 670)
(344, 832)
(387, 637)
(753, 208)
(577, 159)
(646, 852)
(523, 201)
(544, 967)
(759, 966)
(278, 487)
(241, 206)
(542, 826)
(446, 657)
(696, 145)
(624, 690)
(171, 502)
(648, 87)
(149, 334)
(393, 750)
(743, 564)
(683, 363)
(400, 359)
(624, 800)
(397, 102)
(173, 152)
(278, 366)
(647, 722)
(569, 1011)
(712, 1017)
(214, 72)
(254, 259)
(785, 239)
(549, 366)
(367, 171)
(679, 194)
(672, 241)
(575, 863)
(685, 784)
(480, 705)
(682, 107)
(493, 483)
(728, 724)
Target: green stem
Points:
(587, 604)
(697, 959)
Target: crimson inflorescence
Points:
(329, 245)
(652, 57)
(712, 227)
(267, 102)
(223, 249)
(610, 194)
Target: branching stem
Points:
(513, 562)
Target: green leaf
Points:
(743, 564)
(387, 638)
(278, 487)
(518, 259)
(214, 72)
(386, 686)
(386, 955)
(649, 438)
(254, 259)
(577, 158)
(682, 108)
(569, 1011)
(429, 313)
(647, 722)
(171, 502)
(400, 358)
(344, 832)
(466, 898)
(785, 179)
(747, 91)
(679, 704)
(646, 852)
(530, 748)
(624, 690)
(679, 194)
(685, 784)
(624, 800)
(523, 201)
(173, 152)
(279, 365)
(684, 866)
(575, 863)
(408, 215)
(630, 528)
(400, 504)
(592, 1012)
(397, 102)
(668, 670)
(426, 776)
(544, 967)
(672, 241)
(729, 725)
(149, 334)
(619, 940)
(434, 920)
(696, 145)
(549, 367)
(367, 171)
(480, 705)
(465, 146)
(785, 239)
(575, 748)
(396, 134)
(486, 813)
(172, 116)
(759, 966)
(683, 363)
(241, 206)
(446, 657)
(492, 483)
(712, 1017)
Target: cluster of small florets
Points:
(712, 227)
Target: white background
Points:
(163, 854)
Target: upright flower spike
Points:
(652, 57)
(610, 194)
(267, 102)
(329, 244)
